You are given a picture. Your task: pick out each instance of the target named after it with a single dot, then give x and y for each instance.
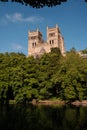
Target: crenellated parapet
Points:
(37, 46)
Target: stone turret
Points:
(34, 40)
(36, 45)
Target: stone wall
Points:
(37, 46)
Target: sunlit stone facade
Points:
(37, 46)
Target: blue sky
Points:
(16, 19)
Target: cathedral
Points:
(37, 46)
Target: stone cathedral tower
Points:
(37, 46)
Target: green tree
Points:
(29, 91)
(51, 76)
(84, 51)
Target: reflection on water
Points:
(18, 117)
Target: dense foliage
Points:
(84, 51)
(51, 76)
(38, 3)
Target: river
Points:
(29, 117)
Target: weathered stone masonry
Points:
(37, 46)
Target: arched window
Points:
(51, 42)
(34, 44)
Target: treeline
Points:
(51, 76)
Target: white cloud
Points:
(17, 47)
(18, 17)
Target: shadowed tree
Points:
(38, 3)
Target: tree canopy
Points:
(38, 3)
(51, 76)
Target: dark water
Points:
(18, 117)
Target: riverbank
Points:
(54, 102)
(48, 102)
(51, 102)
(59, 102)
(79, 103)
